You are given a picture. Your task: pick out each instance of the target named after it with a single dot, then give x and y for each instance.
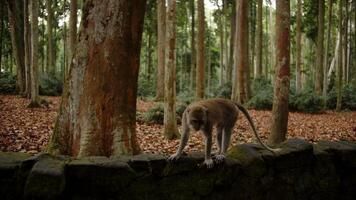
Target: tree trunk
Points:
(345, 43)
(16, 23)
(97, 114)
(258, 67)
(34, 54)
(72, 30)
(192, 45)
(222, 46)
(170, 123)
(339, 84)
(161, 27)
(282, 76)
(320, 50)
(298, 74)
(199, 94)
(326, 56)
(50, 62)
(232, 43)
(241, 51)
(2, 5)
(27, 50)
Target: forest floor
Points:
(28, 130)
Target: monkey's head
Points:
(196, 117)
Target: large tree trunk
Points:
(326, 56)
(200, 86)
(27, 50)
(282, 75)
(161, 29)
(16, 23)
(97, 114)
(34, 54)
(339, 73)
(242, 52)
(50, 62)
(72, 30)
(298, 73)
(258, 66)
(192, 46)
(170, 122)
(320, 50)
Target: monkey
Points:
(203, 116)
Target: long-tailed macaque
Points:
(202, 116)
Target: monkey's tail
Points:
(248, 117)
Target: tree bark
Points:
(34, 55)
(170, 122)
(16, 23)
(72, 30)
(258, 67)
(345, 43)
(192, 45)
(282, 76)
(27, 50)
(161, 27)
(50, 62)
(2, 5)
(320, 50)
(98, 109)
(199, 94)
(339, 83)
(298, 81)
(242, 51)
(326, 56)
(222, 52)
(232, 43)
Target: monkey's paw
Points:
(209, 163)
(173, 158)
(220, 158)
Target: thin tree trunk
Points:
(149, 55)
(200, 86)
(281, 90)
(97, 114)
(258, 66)
(192, 45)
(232, 43)
(222, 52)
(326, 57)
(16, 23)
(34, 54)
(339, 84)
(50, 62)
(170, 123)
(242, 51)
(161, 29)
(319, 72)
(298, 83)
(2, 5)
(27, 50)
(72, 31)
(345, 43)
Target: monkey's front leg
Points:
(208, 161)
(183, 140)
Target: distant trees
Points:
(282, 76)
(97, 114)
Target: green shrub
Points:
(306, 101)
(348, 97)
(262, 94)
(155, 114)
(224, 91)
(7, 83)
(50, 85)
(145, 87)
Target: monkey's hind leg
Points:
(226, 136)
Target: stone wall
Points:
(326, 170)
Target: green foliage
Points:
(7, 83)
(145, 87)
(348, 97)
(305, 101)
(155, 115)
(50, 85)
(224, 91)
(263, 94)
